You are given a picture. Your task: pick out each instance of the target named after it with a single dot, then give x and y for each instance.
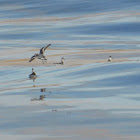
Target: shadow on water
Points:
(41, 98)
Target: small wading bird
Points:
(33, 75)
(109, 59)
(40, 55)
(62, 61)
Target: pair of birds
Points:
(39, 56)
(42, 56)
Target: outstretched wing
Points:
(32, 58)
(43, 49)
(47, 47)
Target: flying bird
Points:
(40, 55)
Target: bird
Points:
(62, 61)
(40, 55)
(109, 59)
(33, 75)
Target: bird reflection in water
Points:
(41, 98)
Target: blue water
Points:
(98, 95)
(87, 24)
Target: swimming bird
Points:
(62, 61)
(33, 75)
(109, 59)
(40, 55)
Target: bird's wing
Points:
(47, 47)
(32, 58)
(43, 49)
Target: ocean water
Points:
(95, 24)
(93, 100)
(90, 97)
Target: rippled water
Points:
(92, 23)
(99, 100)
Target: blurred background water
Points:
(99, 24)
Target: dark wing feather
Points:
(43, 49)
(32, 58)
(47, 47)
